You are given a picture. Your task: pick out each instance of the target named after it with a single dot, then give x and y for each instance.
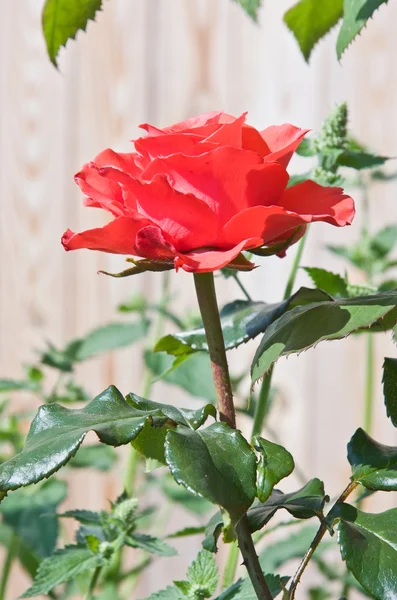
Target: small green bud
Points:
(333, 132)
(126, 509)
(324, 177)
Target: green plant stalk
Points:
(231, 565)
(369, 384)
(290, 593)
(11, 553)
(94, 580)
(264, 392)
(206, 296)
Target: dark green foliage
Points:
(303, 504)
(275, 463)
(310, 20)
(216, 463)
(62, 19)
(374, 465)
(304, 326)
(390, 388)
(368, 544)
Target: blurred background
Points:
(160, 61)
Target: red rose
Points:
(198, 193)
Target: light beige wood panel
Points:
(161, 61)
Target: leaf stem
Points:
(94, 580)
(295, 267)
(231, 565)
(241, 286)
(206, 296)
(290, 593)
(369, 384)
(11, 553)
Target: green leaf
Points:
(12, 385)
(63, 565)
(305, 503)
(192, 373)
(390, 388)
(361, 160)
(181, 416)
(98, 456)
(150, 443)
(57, 433)
(178, 494)
(275, 463)
(186, 531)
(306, 148)
(383, 242)
(333, 284)
(251, 7)
(304, 326)
(202, 575)
(374, 465)
(31, 514)
(150, 544)
(368, 544)
(310, 20)
(216, 463)
(241, 320)
(169, 593)
(355, 16)
(243, 589)
(104, 339)
(62, 19)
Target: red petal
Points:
(151, 243)
(315, 202)
(124, 161)
(252, 140)
(264, 222)
(205, 261)
(218, 177)
(266, 184)
(190, 144)
(282, 141)
(100, 190)
(117, 237)
(230, 133)
(193, 123)
(188, 221)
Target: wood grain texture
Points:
(161, 61)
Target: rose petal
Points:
(205, 261)
(264, 222)
(282, 141)
(151, 243)
(117, 237)
(151, 147)
(199, 122)
(101, 191)
(217, 177)
(266, 184)
(188, 221)
(318, 203)
(230, 133)
(124, 161)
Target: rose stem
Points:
(206, 296)
(290, 594)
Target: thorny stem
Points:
(206, 296)
(290, 593)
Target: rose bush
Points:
(200, 192)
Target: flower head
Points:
(198, 193)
